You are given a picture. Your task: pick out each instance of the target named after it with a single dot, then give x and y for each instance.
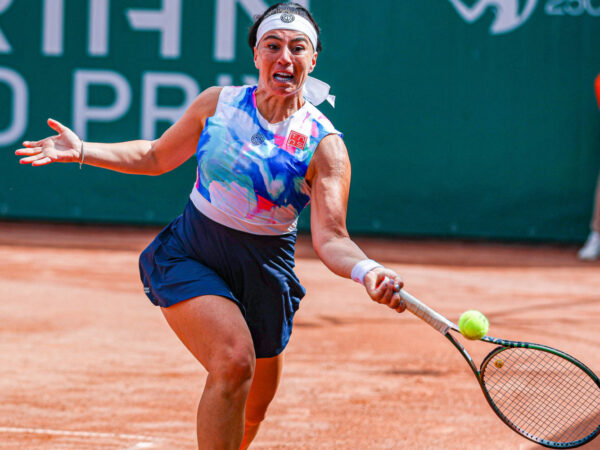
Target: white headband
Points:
(315, 91)
(288, 21)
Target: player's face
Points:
(284, 58)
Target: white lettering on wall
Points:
(83, 112)
(224, 79)
(18, 123)
(249, 79)
(226, 23)
(571, 7)
(167, 21)
(53, 27)
(151, 111)
(4, 45)
(98, 26)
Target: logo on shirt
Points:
(297, 140)
(257, 138)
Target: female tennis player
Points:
(222, 272)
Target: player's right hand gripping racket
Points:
(541, 393)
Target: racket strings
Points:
(556, 408)
(542, 394)
(557, 412)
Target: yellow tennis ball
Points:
(473, 324)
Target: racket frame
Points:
(444, 326)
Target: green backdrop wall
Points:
(462, 118)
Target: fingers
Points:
(57, 126)
(36, 158)
(401, 304)
(395, 282)
(392, 296)
(31, 144)
(32, 154)
(42, 161)
(28, 151)
(56, 148)
(386, 287)
(383, 287)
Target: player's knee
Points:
(235, 370)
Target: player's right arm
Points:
(164, 154)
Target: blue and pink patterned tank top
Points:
(251, 172)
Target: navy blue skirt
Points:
(195, 256)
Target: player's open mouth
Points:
(283, 76)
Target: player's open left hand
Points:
(63, 147)
(383, 286)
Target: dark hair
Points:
(290, 8)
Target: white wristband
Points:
(362, 268)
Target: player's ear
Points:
(255, 57)
(313, 62)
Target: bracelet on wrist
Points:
(81, 155)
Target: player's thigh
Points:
(267, 375)
(214, 331)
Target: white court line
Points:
(91, 434)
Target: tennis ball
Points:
(473, 324)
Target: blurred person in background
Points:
(591, 249)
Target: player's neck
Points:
(277, 108)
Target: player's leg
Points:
(264, 385)
(215, 331)
(596, 217)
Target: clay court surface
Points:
(87, 362)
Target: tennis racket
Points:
(541, 393)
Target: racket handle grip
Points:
(425, 313)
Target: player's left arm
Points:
(329, 177)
